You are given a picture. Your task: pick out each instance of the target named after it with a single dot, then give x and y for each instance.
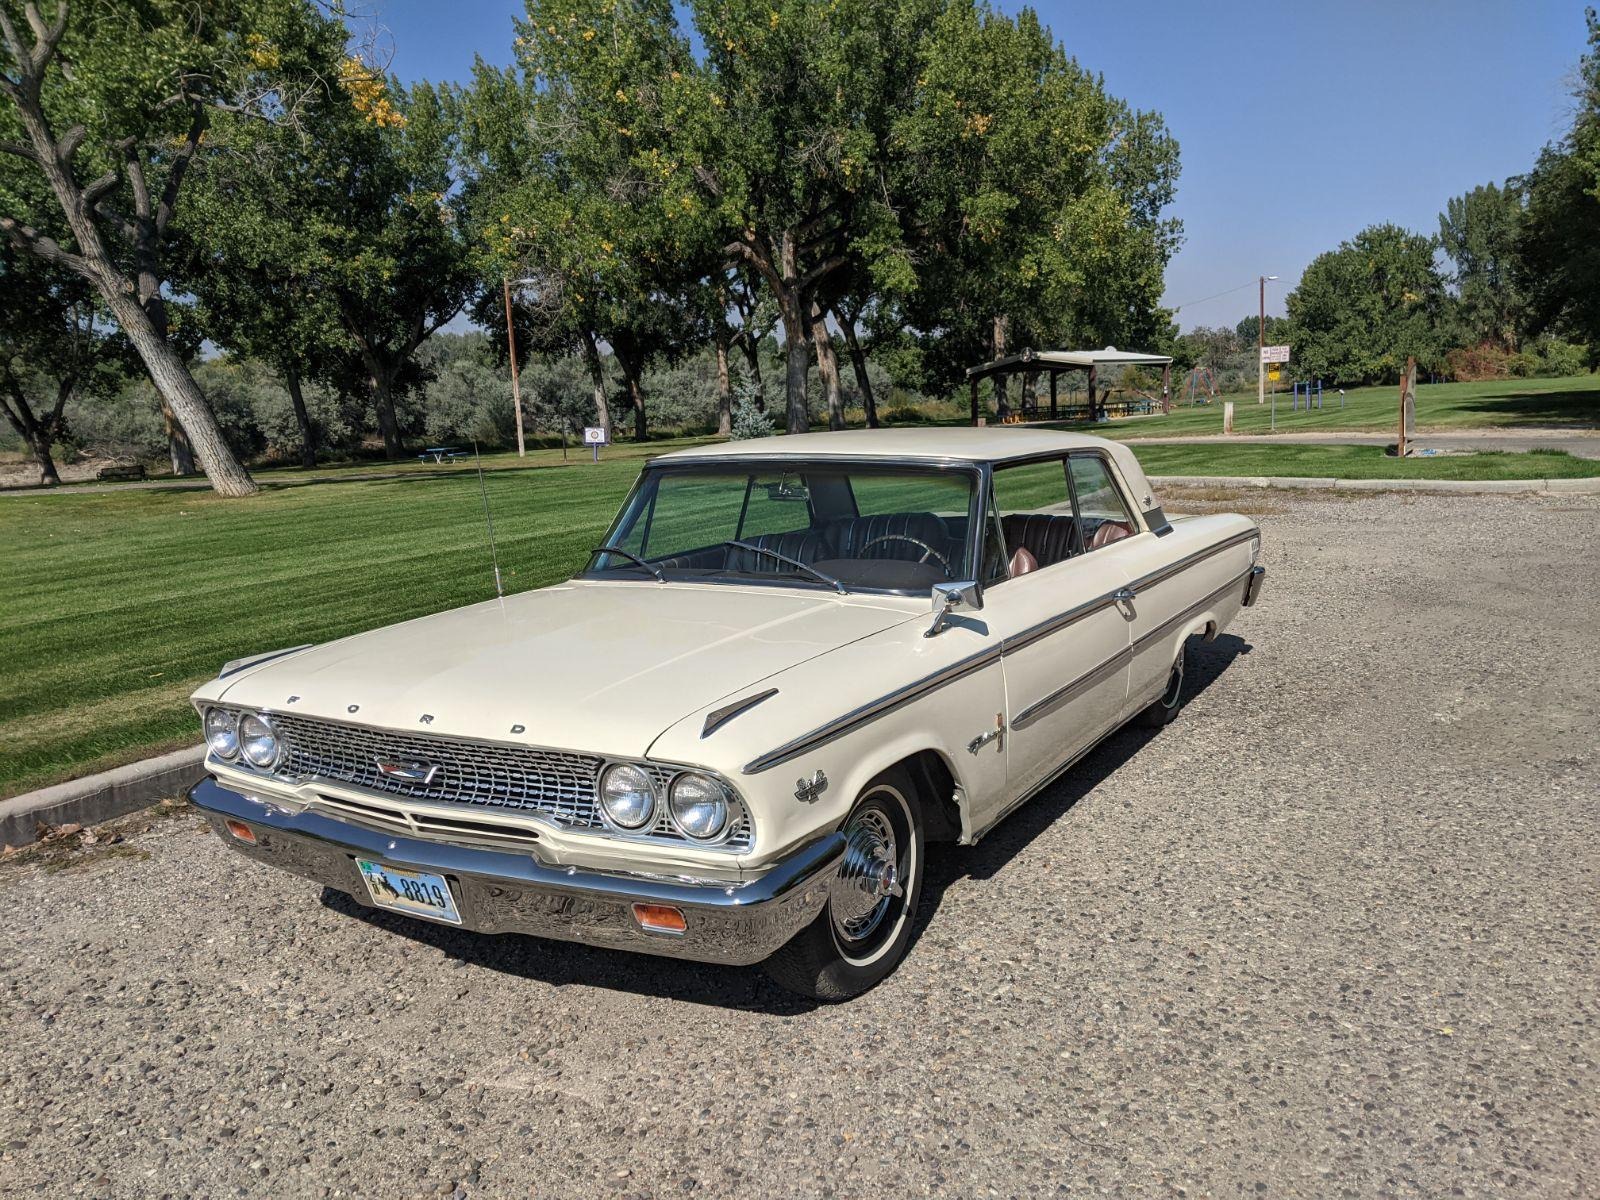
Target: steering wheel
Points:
(927, 550)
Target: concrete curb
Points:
(99, 797)
(1509, 487)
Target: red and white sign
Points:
(1274, 354)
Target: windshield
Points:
(824, 525)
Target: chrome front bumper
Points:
(498, 891)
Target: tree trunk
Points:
(388, 425)
(180, 451)
(858, 360)
(1001, 398)
(827, 367)
(724, 388)
(183, 398)
(591, 355)
(308, 444)
(38, 436)
(48, 475)
(630, 375)
(752, 355)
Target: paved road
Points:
(1332, 933)
(1580, 444)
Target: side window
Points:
(996, 565)
(1102, 516)
(1034, 506)
(1032, 487)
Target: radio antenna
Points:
(488, 517)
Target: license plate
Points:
(416, 893)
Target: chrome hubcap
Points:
(869, 877)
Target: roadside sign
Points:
(1273, 373)
(1274, 354)
(594, 435)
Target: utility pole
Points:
(516, 383)
(1261, 343)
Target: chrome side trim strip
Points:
(718, 717)
(1021, 641)
(1189, 560)
(1063, 695)
(1166, 626)
(852, 720)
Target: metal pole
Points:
(516, 383)
(1261, 342)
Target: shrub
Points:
(902, 415)
(748, 420)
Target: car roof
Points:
(978, 445)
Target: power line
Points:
(1217, 296)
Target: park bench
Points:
(442, 454)
(120, 471)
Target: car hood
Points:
(597, 667)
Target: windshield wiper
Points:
(633, 558)
(794, 562)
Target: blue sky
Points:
(1298, 127)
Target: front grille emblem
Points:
(410, 770)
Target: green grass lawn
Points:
(1571, 402)
(115, 605)
(1359, 462)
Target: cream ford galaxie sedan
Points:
(792, 664)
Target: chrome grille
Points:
(487, 775)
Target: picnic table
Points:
(442, 454)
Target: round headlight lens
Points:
(256, 739)
(699, 805)
(627, 796)
(222, 732)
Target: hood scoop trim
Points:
(718, 717)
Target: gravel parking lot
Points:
(1332, 933)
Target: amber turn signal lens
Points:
(659, 918)
(241, 831)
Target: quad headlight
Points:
(699, 806)
(627, 796)
(257, 741)
(222, 732)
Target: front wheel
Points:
(861, 935)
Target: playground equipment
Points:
(1307, 386)
(1201, 379)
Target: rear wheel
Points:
(862, 933)
(1166, 708)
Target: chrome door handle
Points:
(1123, 595)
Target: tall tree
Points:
(1360, 311)
(108, 105)
(1560, 243)
(791, 143)
(570, 170)
(1038, 199)
(1478, 232)
(392, 246)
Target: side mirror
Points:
(947, 597)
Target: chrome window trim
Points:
(735, 466)
(872, 710)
